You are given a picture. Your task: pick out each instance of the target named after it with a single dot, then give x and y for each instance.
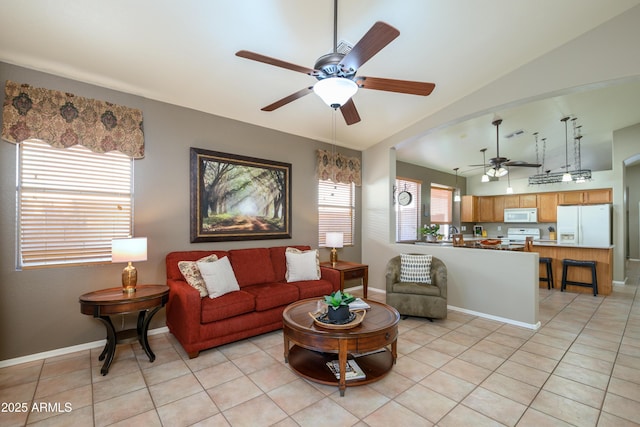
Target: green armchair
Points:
(418, 299)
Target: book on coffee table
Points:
(352, 371)
(359, 304)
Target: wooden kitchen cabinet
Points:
(485, 209)
(499, 203)
(469, 209)
(601, 195)
(528, 200)
(511, 202)
(547, 207)
(586, 197)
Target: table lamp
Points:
(334, 239)
(129, 250)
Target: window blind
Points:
(408, 217)
(71, 203)
(441, 205)
(336, 210)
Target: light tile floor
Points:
(581, 368)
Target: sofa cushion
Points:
(271, 295)
(415, 268)
(252, 266)
(226, 306)
(313, 288)
(191, 273)
(218, 277)
(279, 261)
(302, 265)
(173, 258)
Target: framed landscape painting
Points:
(238, 198)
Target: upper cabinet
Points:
(528, 201)
(586, 197)
(547, 207)
(469, 209)
(485, 209)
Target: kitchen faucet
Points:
(452, 230)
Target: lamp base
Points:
(129, 279)
(334, 256)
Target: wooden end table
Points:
(315, 345)
(147, 300)
(350, 270)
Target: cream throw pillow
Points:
(191, 273)
(218, 277)
(302, 265)
(415, 268)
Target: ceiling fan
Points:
(497, 163)
(336, 72)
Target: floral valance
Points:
(339, 168)
(64, 120)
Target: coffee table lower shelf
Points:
(313, 365)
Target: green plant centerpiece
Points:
(430, 232)
(338, 306)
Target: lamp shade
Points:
(335, 91)
(129, 250)
(334, 239)
(485, 178)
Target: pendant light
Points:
(485, 177)
(566, 176)
(456, 191)
(509, 189)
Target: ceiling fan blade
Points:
(276, 62)
(350, 113)
(479, 166)
(288, 99)
(399, 86)
(378, 36)
(521, 164)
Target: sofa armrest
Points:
(332, 276)
(392, 273)
(184, 309)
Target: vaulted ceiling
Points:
(184, 53)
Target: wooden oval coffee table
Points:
(313, 345)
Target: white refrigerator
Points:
(584, 225)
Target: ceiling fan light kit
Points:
(335, 91)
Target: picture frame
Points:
(238, 198)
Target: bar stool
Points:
(549, 278)
(566, 263)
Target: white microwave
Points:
(521, 215)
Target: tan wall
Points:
(39, 309)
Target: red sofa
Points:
(200, 323)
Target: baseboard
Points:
(533, 326)
(67, 350)
(359, 288)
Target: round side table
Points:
(147, 300)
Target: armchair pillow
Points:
(191, 273)
(415, 268)
(302, 265)
(218, 277)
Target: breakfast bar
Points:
(603, 256)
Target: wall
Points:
(602, 54)
(39, 309)
(632, 175)
(427, 177)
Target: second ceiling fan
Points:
(497, 163)
(336, 72)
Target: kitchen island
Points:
(603, 256)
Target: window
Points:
(336, 210)
(408, 216)
(442, 207)
(71, 203)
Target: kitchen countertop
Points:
(474, 243)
